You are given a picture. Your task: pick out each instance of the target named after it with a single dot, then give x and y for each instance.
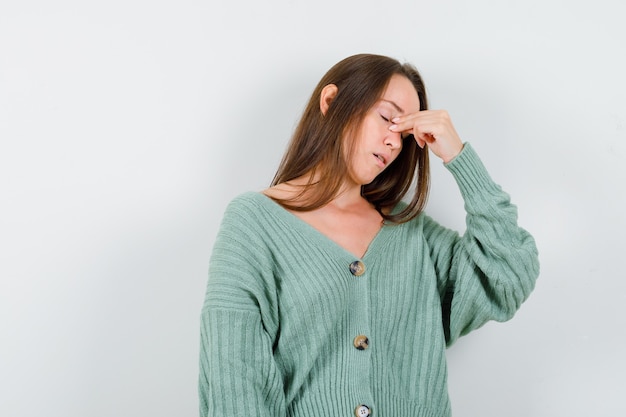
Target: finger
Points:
(424, 139)
(412, 117)
(401, 127)
(422, 134)
(425, 121)
(404, 123)
(427, 138)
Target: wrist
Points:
(449, 157)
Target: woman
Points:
(328, 295)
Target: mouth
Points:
(381, 159)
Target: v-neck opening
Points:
(309, 231)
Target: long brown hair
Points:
(317, 145)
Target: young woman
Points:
(331, 293)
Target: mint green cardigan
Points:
(283, 310)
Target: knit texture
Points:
(282, 308)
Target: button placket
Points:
(360, 342)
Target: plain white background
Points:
(127, 126)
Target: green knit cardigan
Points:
(295, 325)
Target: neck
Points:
(349, 196)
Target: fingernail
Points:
(393, 127)
(395, 119)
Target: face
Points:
(377, 146)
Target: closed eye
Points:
(385, 118)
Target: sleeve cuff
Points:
(470, 173)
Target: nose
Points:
(394, 140)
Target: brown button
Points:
(357, 268)
(361, 342)
(362, 411)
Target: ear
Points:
(328, 95)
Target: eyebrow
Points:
(394, 105)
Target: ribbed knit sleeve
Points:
(238, 376)
(487, 273)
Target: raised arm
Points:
(487, 273)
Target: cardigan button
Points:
(357, 268)
(361, 342)
(362, 411)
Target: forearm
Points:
(495, 263)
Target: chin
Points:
(368, 181)
(365, 178)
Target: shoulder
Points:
(243, 209)
(246, 224)
(253, 210)
(294, 192)
(245, 199)
(250, 201)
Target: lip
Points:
(381, 159)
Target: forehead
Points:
(401, 94)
